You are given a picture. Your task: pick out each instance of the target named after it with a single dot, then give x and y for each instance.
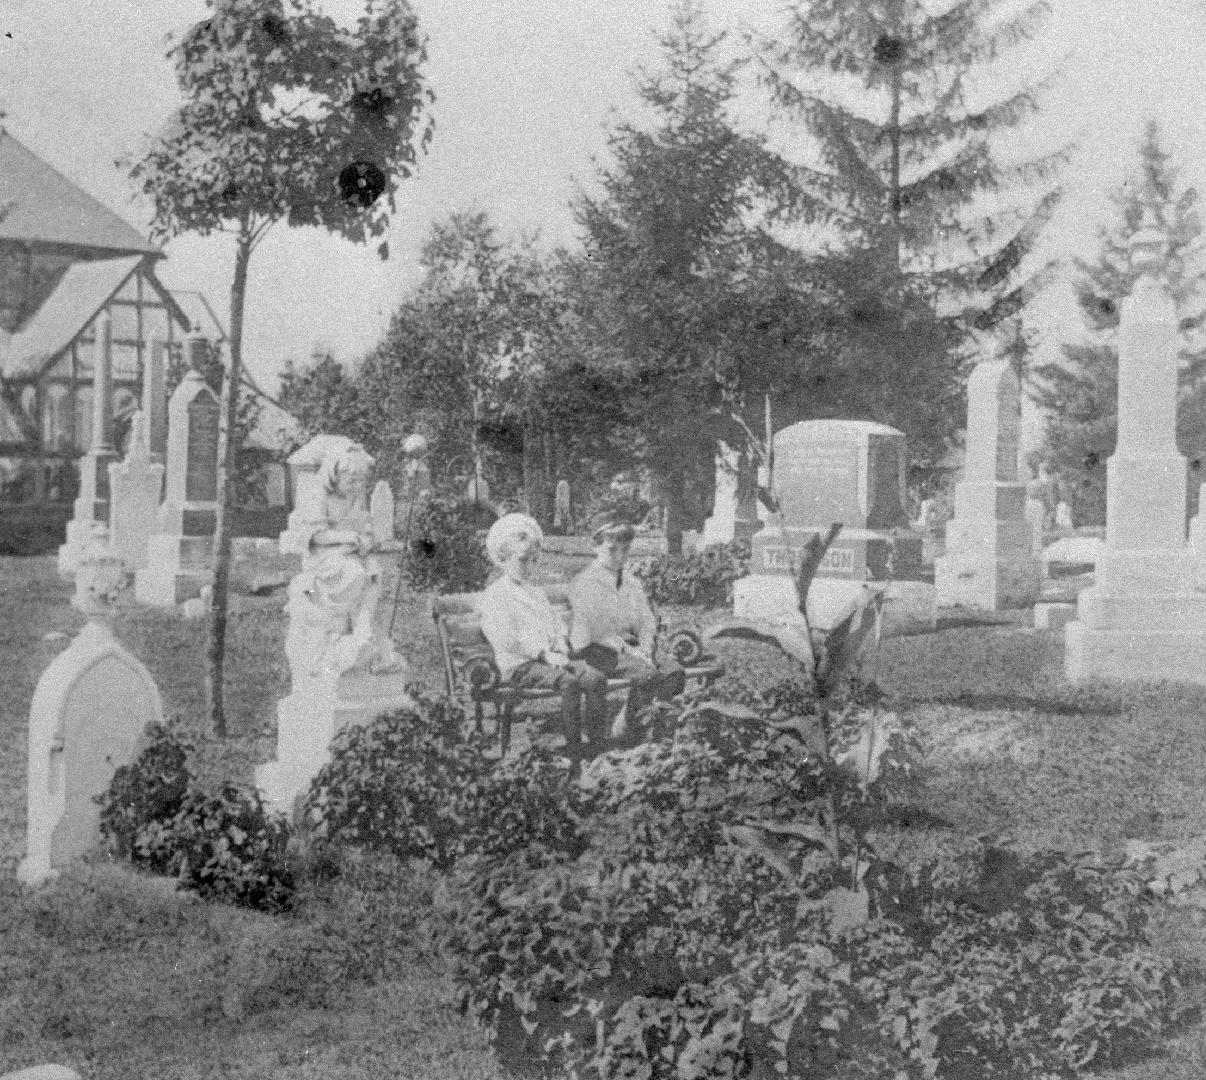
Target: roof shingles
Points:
(41, 204)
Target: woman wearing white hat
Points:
(529, 640)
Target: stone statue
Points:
(333, 599)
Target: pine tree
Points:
(1080, 394)
(931, 243)
(677, 285)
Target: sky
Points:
(525, 90)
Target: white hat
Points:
(508, 529)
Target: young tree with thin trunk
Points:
(286, 117)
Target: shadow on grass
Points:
(1056, 705)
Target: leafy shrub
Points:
(446, 550)
(704, 577)
(728, 917)
(407, 784)
(224, 845)
(715, 966)
(391, 785)
(228, 847)
(143, 797)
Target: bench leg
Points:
(504, 729)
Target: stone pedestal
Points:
(720, 527)
(310, 717)
(91, 507)
(308, 496)
(1143, 618)
(135, 486)
(180, 552)
(381, 511)
(989, 562)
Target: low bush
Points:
(704, 577)
(142, 799)
(445, 546)
(228, 847)
(729, 918)
(409, 784)
(225, 845)
(392, 785)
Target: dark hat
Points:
(608, 523)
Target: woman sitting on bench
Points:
(529, 640)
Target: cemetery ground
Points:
(116, 975)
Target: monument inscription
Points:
(201, 459)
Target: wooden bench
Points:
(470, 670)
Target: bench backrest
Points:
(459, 626)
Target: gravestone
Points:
(720, 527)
(829, 471)
(381, 511)
(92, 504)
(1036, 517)
(89, 712)
(1143, 618)
(989, 563)
(134, 489)
(308, 496)
(180, 551)
(847, 471)
(155, 399)
(562, 510)
(1063, 517)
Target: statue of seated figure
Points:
(333, 599)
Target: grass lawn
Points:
(117, 976)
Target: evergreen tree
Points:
(1080, 394)
(674, 280)
(931, 246)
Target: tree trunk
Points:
(228, 449)
(676, 509)
(535, 490)
(475, 445)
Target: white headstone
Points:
(1143, 618)
(43, 1072)
(309, 497)
(720, 528)
(989, 563)
(1063, 517)
(562, 510)
(180, 551)
(134, 489)
(381, 510)
(90, 709)
(92, 504)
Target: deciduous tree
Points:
(286, 117)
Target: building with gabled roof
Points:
(65, 260)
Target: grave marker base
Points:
(309, 718)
